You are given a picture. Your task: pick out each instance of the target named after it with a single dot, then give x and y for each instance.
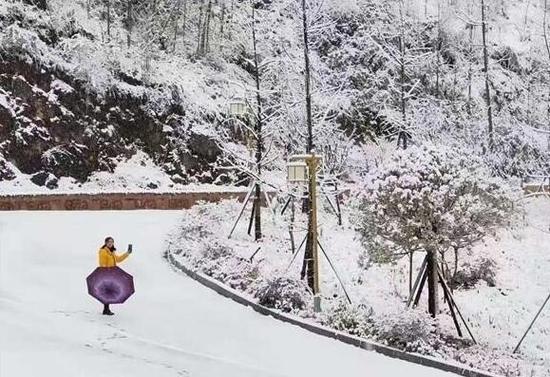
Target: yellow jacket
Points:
(107, 258)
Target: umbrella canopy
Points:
(110, 285)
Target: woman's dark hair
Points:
(107, 239)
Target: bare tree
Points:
(108, 4)
(486, 68)
(307, 77)
(129, 22)
(176, 15)
(200, 28)
(402, 135)
(308, 265)
(470, 68)
(258, 131)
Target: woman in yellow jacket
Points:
(108, 258)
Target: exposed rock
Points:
(45, 179)
(40, 4)
(64, 129)
(152, 185)
(68, 160)
(28, 143)
(204, 147)
(6, 174)
(21, 88)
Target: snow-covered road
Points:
(172, 326)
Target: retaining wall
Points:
(115, 201)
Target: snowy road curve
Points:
(172, 326)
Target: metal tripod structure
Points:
(250, 196)
(418, 287)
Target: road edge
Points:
(395, 353)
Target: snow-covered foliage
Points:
(504, 284)
(353, 319)
(410, 331)
(432, 200)
(284, 294)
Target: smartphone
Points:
(130, 247)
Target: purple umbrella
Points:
(110, 285)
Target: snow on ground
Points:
(498, 315)
(502, 313)
(172, 326)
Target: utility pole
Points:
(312, 263)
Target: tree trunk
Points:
(309, 119)
(206, 33)
(109, 20)
(176, 22)
(258, 130)
(470, 56)
(410, 273)
(200, 21)
(545, 33)
(184, 24)
(433, 292)
(402, 137)
(486, 66)
(456, 261)
(425, 9)
(438, 51)
(230, 20)
(222, 20)
(129, 23)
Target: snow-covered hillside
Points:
(86, 85)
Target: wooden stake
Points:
(447, 299)
(450, 296)
(422, 283)
(417, 281)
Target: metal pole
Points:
(532, 323)
(335, 272)
(246, 199)
(312, 163)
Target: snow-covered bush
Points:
(410, 331)
(471, 274)
(283, 293)
(220, 262)
(354, 319)
(519, 152)
(430, 199)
